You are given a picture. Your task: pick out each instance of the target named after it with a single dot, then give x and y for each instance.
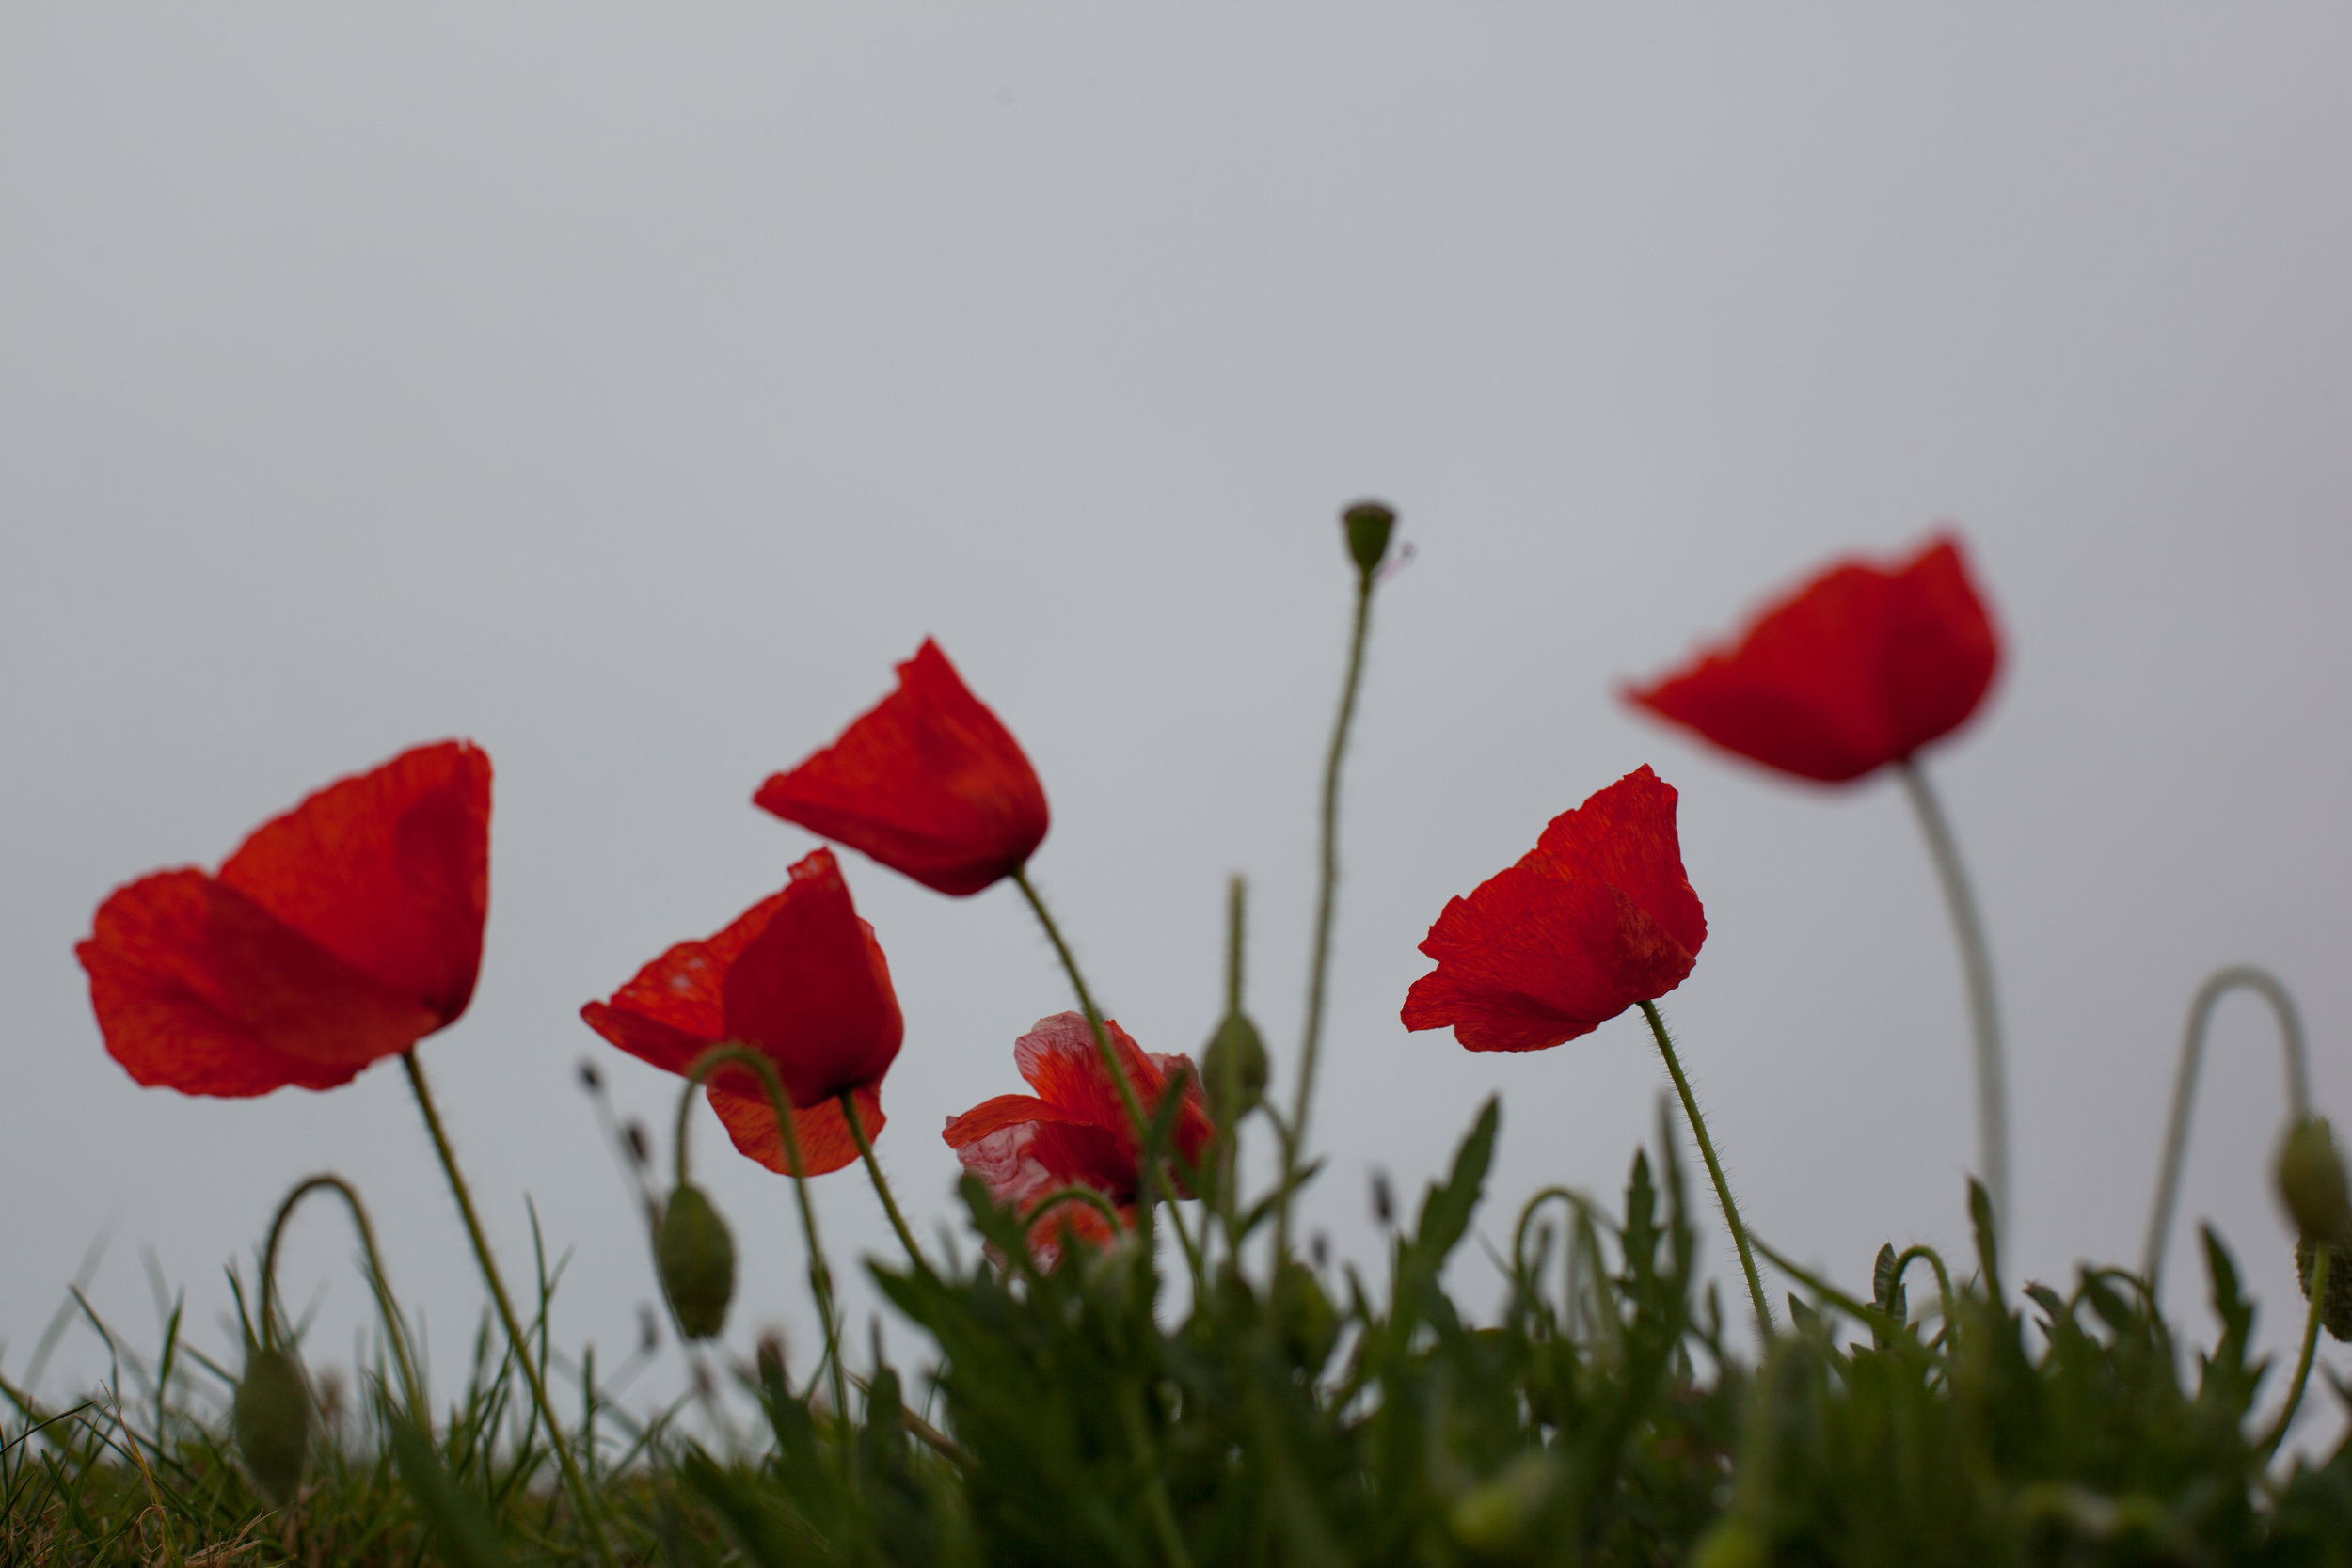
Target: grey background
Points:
(627, 388)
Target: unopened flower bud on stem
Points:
(697, 1261)
(271, 1421)
(1369, 524)
(2311, 1182)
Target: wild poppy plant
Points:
(798, 977)
(343, 932)
(928, 782)
(1074, 1130)
(1859, 667)
(1595, 918)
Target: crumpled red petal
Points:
(1595, 919)
(928, 782)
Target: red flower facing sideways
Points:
(1075, 1129)
(338, 934)
(1597, 917)
(928, 782)
(799, 978)
(1859, 667)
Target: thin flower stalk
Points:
(1714, 1168)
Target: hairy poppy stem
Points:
(395, 1328)
(820, 1271)
(1714, 1168)
(2320, 1259)
(1111, 1063)
(2298, 1074)
(1975, 963)
(882, 1187)
(1319, 966)
(584, 1499)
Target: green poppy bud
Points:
(271, 1421)
(2311, 1180)
(1235, 1065)
(1369, 524)
(697, 1258)
(1304, 1317)
(2335, 1307)
(1496, 1516)
(1733, 1543)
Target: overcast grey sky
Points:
(625, 388)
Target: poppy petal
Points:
(812, 990)
(993, 1115)
(1857, 668)
(826, 1142)
(674, 1008)
(928, 782)
(1624, 836)
(197, 988)
(389, 871)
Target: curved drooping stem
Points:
(1328, 879)
(395, 1328)
(1976, 964)
(882, 1187)
(1072, 1193)
(780, 1104)
(2320, 1259)
(1714, 1168)
(2298, 1080)
(586, 1500)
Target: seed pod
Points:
(271, 1421)
(2335, 1308)
(1369, 524)
(2311, 1182)
(697, 1258)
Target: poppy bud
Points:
(2311, 1182)
(271, 1421)
(2335, 1308)
(697, 1258)
(1733, 1543)
(1369, 524)
(1233, 1065)
(1304, 1317)
(1496, 1516)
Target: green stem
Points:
(780, 1104)
(1975, 963)
(2321, 1253)
(882, 1187)
(1146, 1172)
(2218, 984)
(591, 1518)
(395, 1329)
(1319, 965)
(1714, 1168)
(1061, 1195)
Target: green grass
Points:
(1092, 1415)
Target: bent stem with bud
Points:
(395, 1326)
(590, 1517)
(820, 1271)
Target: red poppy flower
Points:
(928, 782)
(1597, 917)
(344, 931)
(1859, 667)
(1075, 1129)
(798, 977)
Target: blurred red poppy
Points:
(338, 934)
(1075, 1129)
(1597, 917)
(798, 977)
(1859, 667)
(928, 782)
